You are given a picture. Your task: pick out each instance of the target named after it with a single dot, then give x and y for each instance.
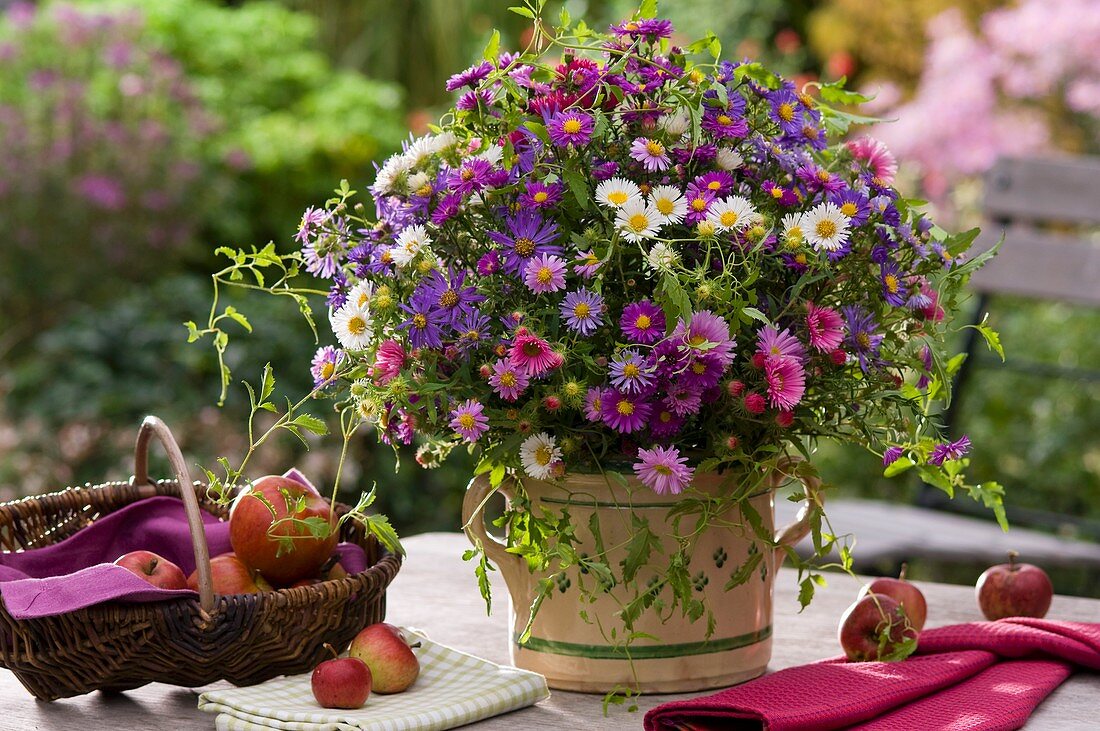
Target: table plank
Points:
(436, 591)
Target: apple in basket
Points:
(875, 628)
(393, 664)
(230, 576)
(343, 682)
(157, 570)
(250, 518)
(1014, 590)
(907, 595)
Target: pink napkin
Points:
(78, 571)
(981, 676)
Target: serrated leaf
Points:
(835, 93)
(648, 9)
(805, 592)
(742, 573)
(311, 424)
(642, 544)
(520, 10)
(492, 48)
(238, 317)
(899, 465)
(379, 526)
(577, 185)
(267, 382)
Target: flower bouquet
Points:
(640, 283)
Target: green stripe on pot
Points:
(645, 652)
(582, 503)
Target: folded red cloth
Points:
(981, 676)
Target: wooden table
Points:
(436, 592)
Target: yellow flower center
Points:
(699, 368)
(448, 298)
(541, 197)
(810, 133)
(826, 229)
(699, 204)
(543, 455)
(800, 259)
(864, 340)
(545, 275)
(665, 417)
(638, 222)
(823, 176)
(387, 257)
(473, 335)
(625, 408)
(425, 190)
(581, 310)
(849, 209)
(696, 340)
(729, 218)
(357, 325)
(364, 298)
(725, 120)
(664, 205)
(714, 185)
(571, 126)
(891, 283)
(643, 322)
(654, 148)
(524, 247)
(785, 112)
(631, 371)
(467, 421)
(777, 192)
(617, 197)
(467, 174)
(508, 379)
(419, 321)
(327, 370)
(662, 469)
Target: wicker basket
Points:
(243, 638)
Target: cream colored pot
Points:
(579, 654)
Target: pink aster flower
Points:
(949, 450)
(664, 423)
(570, 128)
(663, 470)
(683, 400)
(643, 322)
(623, 412)
(825, 326)
(593, 403)
(532, 355)
(708, 333)
(508, 380)
(586, 264)
(876, 156)
(651, 153)
(786, 382)
(545, 273)
(776, 343)
(470, 421)
(388, 362)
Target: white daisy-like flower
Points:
(705, 229)
(352, 325)
(420, 184)
(730, 213)
(419, 151)
(675, 123)
(793, 234)
(443, 141)
(669, 203)
(390, 172)
(617, 192)
(637, 220)
(662, 258)
(410, 242)
(493, 154)
(728, 159)
(360, 294)
(825, 227)
(538, 453)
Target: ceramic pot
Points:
(570, 640)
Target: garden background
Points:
(136, 136)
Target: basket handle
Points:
(154, 427)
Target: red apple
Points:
(231, 576)
(867, 622)
(383, 647)
(251, 517)
(908, 596)
(1014, 590)
(344, 682)
(158, 571)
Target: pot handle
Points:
(794, 532)
(154, 427)
(473, 522)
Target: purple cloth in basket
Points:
(78, 571)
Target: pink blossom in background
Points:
(101, 191)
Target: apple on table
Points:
(342, 682)
(385, 649)
(910, 598)
(157, 570)
(1014, 590)
(874, 628)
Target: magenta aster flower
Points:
(775, 343)
(663, 470)
(876, 156)
(470, 421)
(630, 373)
(570, 128)
(664, 423)
(786, 382)
(643, 322)
(475, 174)
(533, 355)
(650, 153)
(583, 311)
(388, 362)
(488, 264)
(529, 235)
(891, 455)
(508, 380)
(704, 371)
(707, 330)
(593, 403)
(649, 28)
(540, 195)
(625, 413)
(825, 328)
(545, 273)
(949, 450)
(718, 182)
(325, 362)
(698, 204)
(471, 77)
(683, 400)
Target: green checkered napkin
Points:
(453, 689)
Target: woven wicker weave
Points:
(242, 638)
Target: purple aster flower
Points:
(338, 292)
(703, 372)
(488, 264)
(529, 235)
(643, 322)
(698, 203)
(718, 182)
(775, 343)
(893, 288)
(471, 100)
(852, 203)
(625, 413)
(471, 77)
(630, 373)
(448, 295)
(602, 171)
(786, 382)
(891, 455)
(508, 380)
(475, 174)
(726, 122)
(593, 403)
(472, 330)
(650, 153)
(664, 423)
(586, 264)
(683, 400)
(862, 338)
(540, 195)
(545, 273)
(325, 362)
(322, 254)
(949, 450)
(785, 110)
(782, 196)
(570, 128)
(312, 220)
(425, 322)
(663, 470)
(447, 208)
(708, 333)
(649, 28)
(470, 421)
(583, 311)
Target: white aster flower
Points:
(662, 258)
(360, 294)
(419, 151)
(728, 159)
(825, 227)
(443, 141)
(637, 220)
(793, 234)
(538, 453)
(730, 213)
(390, 172)
(420, 184)
(676, 123)
(410, 242)
(493, 154)
(352, 325)
(616, 192)
(669, 203)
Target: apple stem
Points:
(901, 574)
(1012, 556)
(415, 645)
(331, 649)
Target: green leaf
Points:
(233, 314)
(757, 73)
(578, 185)
(992, 339)
(641, 547)
(899, 465)
(835, 93)
(648, 9)
(525, 12)
(742, 573)
(379, 526)
(311, 424)
(806, 592)
(756, 315)
(492, 48)
(267, 382)
(193, 333)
